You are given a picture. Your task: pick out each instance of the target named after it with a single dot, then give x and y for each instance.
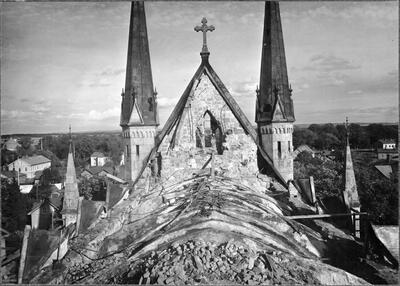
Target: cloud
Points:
(358, 91)
(112, 72)
(99, 115)
(244, 88)
(165, 102)
(40, 108)
(329, 63)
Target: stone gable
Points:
(191, 148)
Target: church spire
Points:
(71, 193)
(275, 92)
(350, 193)
(138, 99)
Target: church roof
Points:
(176, 115)
(139, 98)
(275, 92)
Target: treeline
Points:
(330, 136)
(84, 146)
(56, 148)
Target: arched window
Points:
(212, 128)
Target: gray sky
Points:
(64, 63)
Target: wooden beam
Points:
(320, 216)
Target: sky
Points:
(64, 63)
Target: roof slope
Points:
(36, 160)
(275, 92)
(139, 89)
(178, 112)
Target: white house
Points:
(388, 144)
(30, 165)
(98, 159)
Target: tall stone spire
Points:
(274, 105)
(274, 100)
(139, 112)
(71, 193)
(139, 105)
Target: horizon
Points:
(301, 125)
(65, 63)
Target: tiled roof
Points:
(97, 154)
(36, 160)
(387, 141)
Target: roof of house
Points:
(97, 169)
(387, 141)
(97, 154)
(302, 148)
(35, 160)
(385, 170)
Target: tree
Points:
(327, 174)
(14, 207)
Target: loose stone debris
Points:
(199, 262)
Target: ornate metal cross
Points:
(204, 28)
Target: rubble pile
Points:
(206, 262)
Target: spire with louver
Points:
(139, 105)
(275, 92)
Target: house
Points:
(98, 159)
(11, 144)
(96, 171)
(44, 213)
(387, 144)
(30, 165)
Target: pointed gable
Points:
(136, 117)
(274, 84)
(173, 127)
(139, 96)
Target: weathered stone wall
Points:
(142, 136)
(281, 132)
(239, 150)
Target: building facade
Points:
(30, 165)
(98, 159)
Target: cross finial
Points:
(204, 28)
